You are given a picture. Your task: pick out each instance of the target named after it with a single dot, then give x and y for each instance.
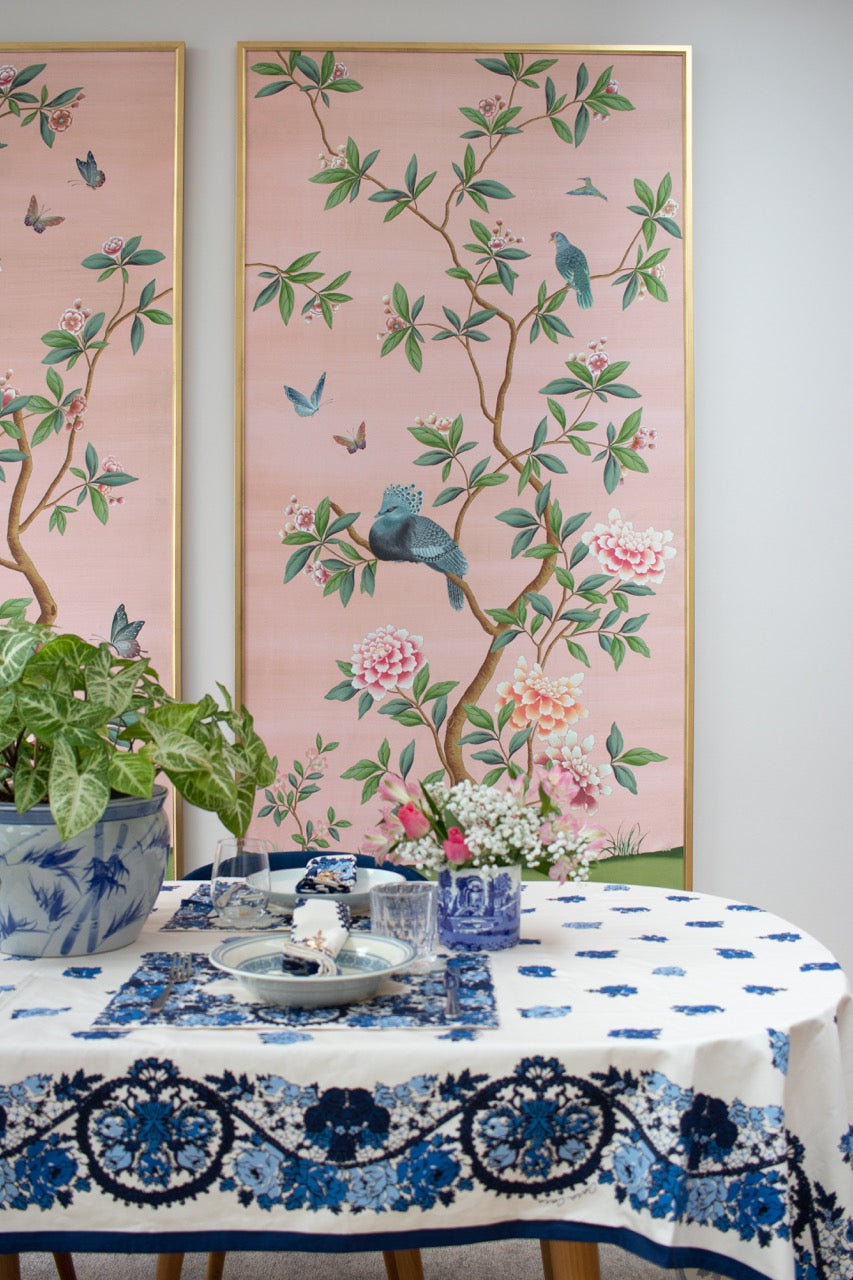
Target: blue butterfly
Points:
(90, 173)
(123, 634)
(306, 407)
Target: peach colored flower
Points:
(60, 120)
(113, 247)
(72, 320)
(628, 552)
(551, 705)
(388, 658)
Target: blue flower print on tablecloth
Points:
(652, 937)
(734, 953)
(635, 1033)
(756, 989)
(546, 1011)
(670, 971)
(819, 965)
(597, 955)
(693, 1010)
(704, 924)
(780, 1044)
(537, 971)
(154, 1136)
(621, 989)
(783, 937)
(582, 924)
(82, 971)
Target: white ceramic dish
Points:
(363, 961)
(283, 886)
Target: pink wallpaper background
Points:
(292, 635)
(128, 120)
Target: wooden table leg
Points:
(10, 1266)
(64, 1263)
(568, 1260)
(400, 1264)
(215, 1266)
(168, 1266)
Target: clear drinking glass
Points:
(240, 882)
(406, 909)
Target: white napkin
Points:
(320, 928)
(329, 873)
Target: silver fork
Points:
(179, 971)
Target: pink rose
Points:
(9, 394)
(7, 75)
(414, 821)
(455, 847)
(113, 247)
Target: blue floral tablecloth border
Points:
(418, 1000)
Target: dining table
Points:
(666, 1071)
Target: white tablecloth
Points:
(671, 1072)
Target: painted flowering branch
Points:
(29, 420)
(557, 605)
(53, 113)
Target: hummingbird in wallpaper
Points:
(400, 533)
(573, 267)
(586, 190)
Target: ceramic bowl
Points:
(363, 961)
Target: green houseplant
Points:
(83, 731)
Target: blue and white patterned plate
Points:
(363, 961)
(283, 884)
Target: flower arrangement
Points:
(469, 824)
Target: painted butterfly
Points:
(353, 443)
(35, 219)
(90, 173)
(306, 406)
(123, 634)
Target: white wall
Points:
(773, 283)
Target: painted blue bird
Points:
(399, 533)
(572, 265)
(586, 190)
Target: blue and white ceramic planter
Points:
(93, 893)
(479, 908)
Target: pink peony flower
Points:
(455, 847)
(113, 247)
(7, 75)
(304, 519)
(9, 394)
(72, 320)
(60, 120)
(598, 361)
(572, 756)
(670, 209)
(629, 552)
(388, 658)
(77, 404)
(340, 71)
(414, 821)
(551, 705)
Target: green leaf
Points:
(615, 742)
(137, 333)
(477, 716)
(77, 797)
(640, 756)
(625, 778)
(578, 652)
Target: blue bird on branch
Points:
(573, 267)
(399, 533)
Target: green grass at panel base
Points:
(664, 870)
